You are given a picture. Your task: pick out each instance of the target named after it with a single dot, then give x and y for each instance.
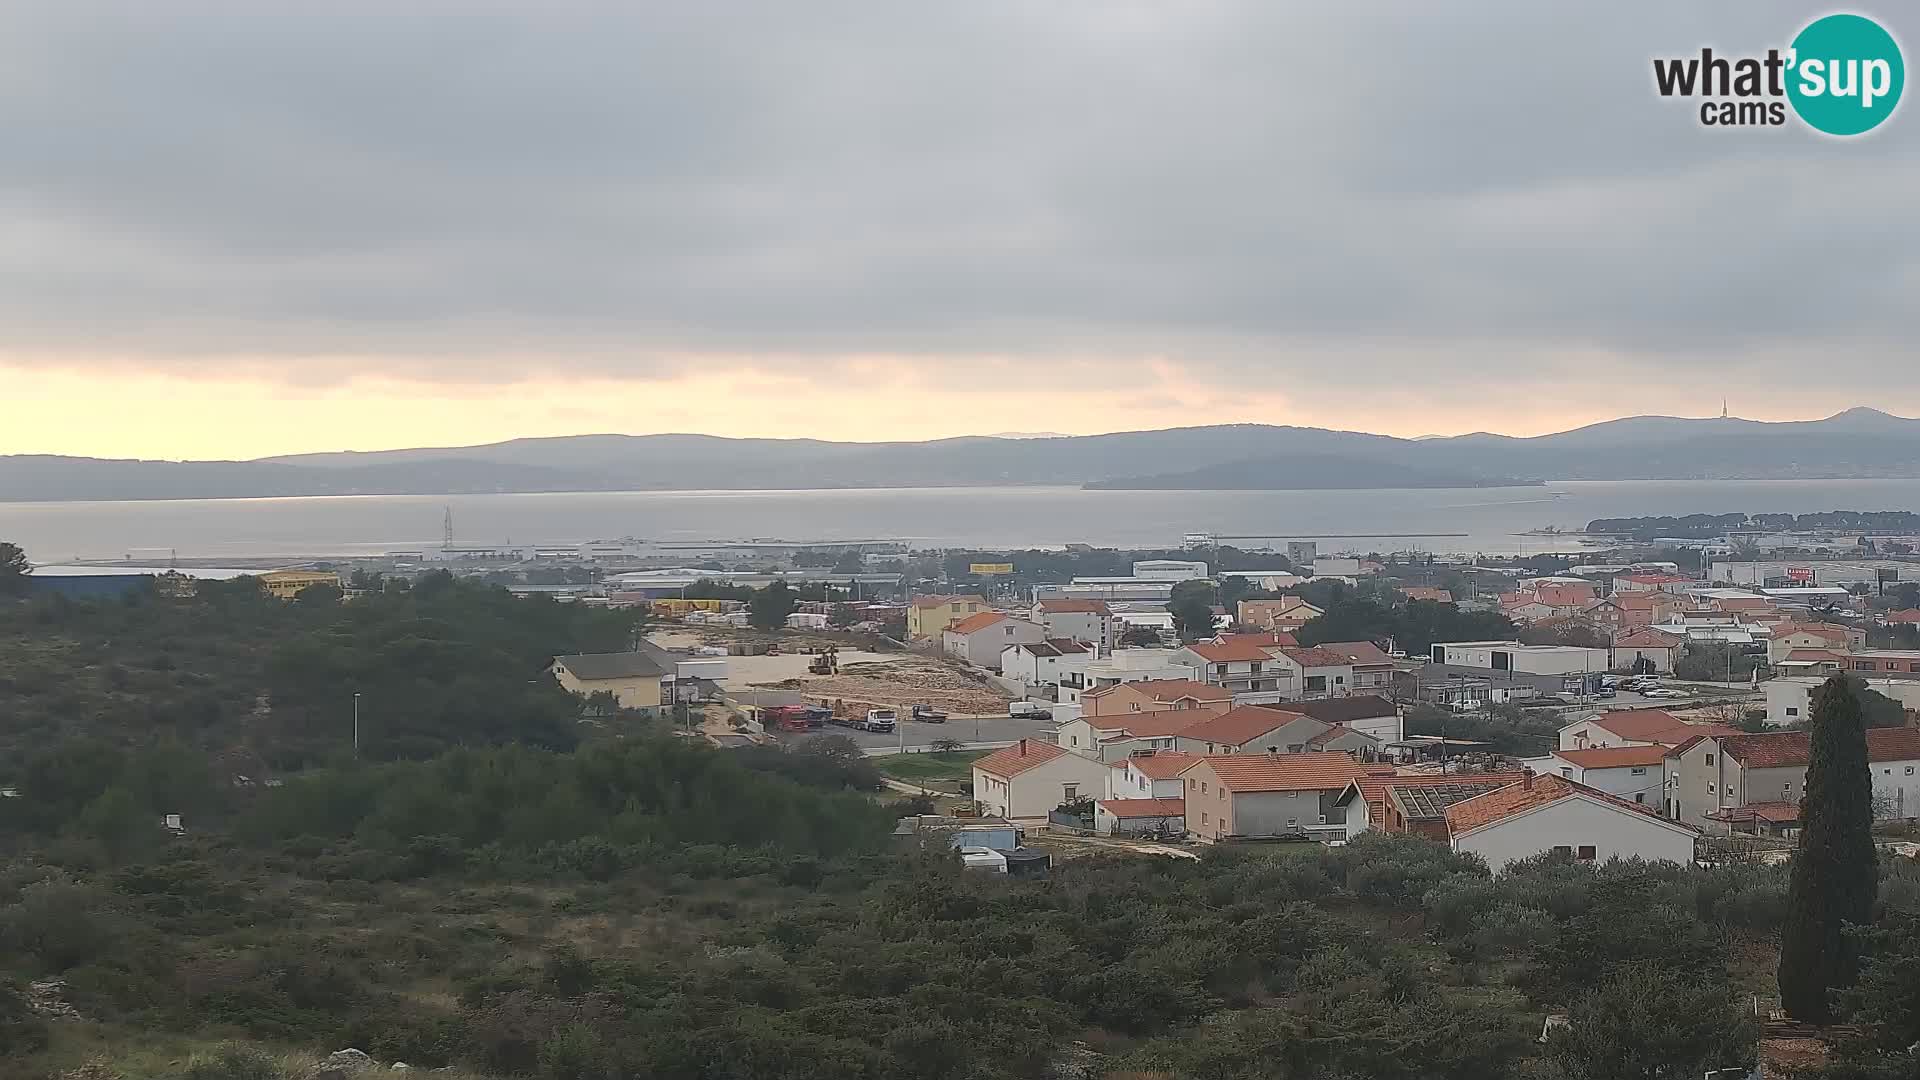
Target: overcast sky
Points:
(234, 236)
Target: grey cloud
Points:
(1245, 187)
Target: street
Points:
(995, 730)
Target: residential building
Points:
(1155, 695)
(1715, 775)
(633, 678)
(1902, 617)
(1413, 803)
(1115, 738)
(1251, 729)
(1870, 662)
(1252, 796)
(927, 616)
(1822, 662)
(1149, 774)
(1667, 583)
(1655, 647)
(1054, 662)
(286, 584)
(1420, 592)
(1513, 656)
(1090, 621)
(1635, 773)
(1320, 671)
(981, 639)
(1288, 613)
(1554, 814)
(1623, 612)
(1369, 714)
(1126, 666)
(1238, 665)
(1790, 697)
(1371, 669)
(1140, 817)
(1817, 635)
(1030, 778)
(1635, 727)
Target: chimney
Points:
(1023, 748)
(1527, 782)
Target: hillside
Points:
(1856, 443)
(1302, 472)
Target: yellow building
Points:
(633, 678)
(927, 616)
(286, 584)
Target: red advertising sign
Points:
(1800, 573)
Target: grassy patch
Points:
(930, 769)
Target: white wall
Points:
(1038, 790)
(1648, 787)
(1896, 789)
(1788, 700)
(1614, 833)
(1596, 736)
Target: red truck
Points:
(784, 718)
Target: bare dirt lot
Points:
(896, 680)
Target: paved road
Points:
(988, 731)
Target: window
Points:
(1709, 759)
(1323, 819)
(1791, 711)
(1640, 796)
(1639, 770)
(1909, 770)
(1786, 788)
(1562, 849)
(1069, 791)
(1709, 787)
(1222, 793)
(1566, 771)
(1293, 823)
(1203, 817)
(1587, 853)
(1203, 787)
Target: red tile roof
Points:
(1149, 725)
(1318, 656)
(1063, 607)
(1817, 655)
(1361, 653)
(1904, 615)
(1236, 726)
(1169, 690)
(1374, 788)
(1281, 772)
(1656, 726)
(973, 623)
(1231, 650)
(1010, 761)
(1161, 764)
(1614, 757)
(1563, 595)
(1829, 631)
(1418, 592)
(1790, 749)
(1264, 639)
(1655, 579)
(1337, 732)
(1144, 808)
(1483, 810)
(1778, 813)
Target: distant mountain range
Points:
(1856, 443)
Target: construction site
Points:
(847, 680)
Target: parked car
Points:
(1029, 710)
(1663, 692)
(928, 714)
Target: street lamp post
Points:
(356, 723)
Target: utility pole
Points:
(356, 723)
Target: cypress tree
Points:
(1835, 875)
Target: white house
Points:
(1634, 773)
(1635, 727)
(1031, 778)
(1790, 697)
(1555, 814)
(1134, 817)
(1149, 774)
(1239, 664)
(980, 639)
(1656, 647)
(1127, 666)
(1090, 621)
(1529, 659)
(1053, 662)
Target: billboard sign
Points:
(1800, 573)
